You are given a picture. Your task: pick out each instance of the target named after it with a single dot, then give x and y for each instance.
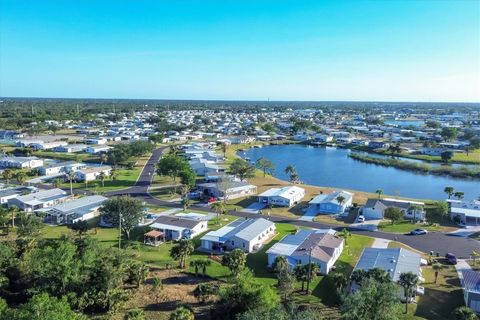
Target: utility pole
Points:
(309, 275)
(119, 231)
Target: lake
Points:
(406, 123)
(331, 167)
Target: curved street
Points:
(433, 241)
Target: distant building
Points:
(375, 208)
(467, 212)
(20, 162)
(178, 227)
(71, 148)
(91, 173)
(471, 289)
(69, 212)
(38, 200)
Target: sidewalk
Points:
(380, 243)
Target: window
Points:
(233, 243)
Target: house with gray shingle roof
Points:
(320, 247)
(375, 208)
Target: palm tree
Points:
(475, 255)
(459, 195)
(449, 191)
(379, 192)
(113, 174)
(103, 158)
(206, 263)
(312, 270)
(71, 177)
(200, 264)
(300, 273)
(7, 175)
(290, 170)
(265, 165)
(21, 176)
(280, 264)
(13, 210)
(345, 234)
(196, 264)
(339, 280)
(464, 313)
(437, 267)
(181, 251)
(182, 313)
(219, 207)
(408, 281)
(415, 208)
(340, 200)
(102, 176)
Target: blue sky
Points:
(384, 50)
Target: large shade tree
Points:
(123, 211)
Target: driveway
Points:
(371, 225)
(254, 207)
(465, 232)
(380, 243)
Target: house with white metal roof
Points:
(246, 234)
(329, 203)
(308, 246)
(80, 209)
(91, 173)
(60, 167)
(20, 162)
(235, 189)
(467, 212)
(283, 197)
(394, 261)
(38, 200)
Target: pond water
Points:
(406, 123)
(331, 167)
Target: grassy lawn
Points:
(406, 226)
(126, 178)
(65, 156)
(166, 193)
(440, 299)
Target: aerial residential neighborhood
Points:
(240, 160)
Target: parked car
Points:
(360, 219)
(212, 200)
(451, 258)
(418, 232)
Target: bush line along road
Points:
(433, 241)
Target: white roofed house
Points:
(394, 261)
(20, 162)
(176, 227)
(329, 204)
(233, 189)
(48, 145)
(38, 200)
(97, 149)
(320, 247)
(375, 208)
(246, 234)
(283, 197)
(80, 209)
(91, 173)
(466, 212)
(70, 148)
(203, 167)
(60, 167)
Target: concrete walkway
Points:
(254, 207)
(462, 265)
(465, 232)
(380, 243)
(370, 225)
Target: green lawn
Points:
(405, 226)
(126, 178)
(64, 156)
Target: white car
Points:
(360, 219)
(418, 232)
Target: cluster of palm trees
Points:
(9, 174)
(292, 172)
(450, 191)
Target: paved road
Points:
(433, 241)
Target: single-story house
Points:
(47, 145)
(38, 200)
(467, 212)
(21, 162)
(236, 189)
(321, 248)
(246, 234)
(97, 149)
(96, 141)
(375, 208)
(80, 209)
(70, 148)
(178, 227)
(58, 167)
(10, 193)
(204, 167)
(471, 289)
(283, 197)
(378, 145)
(394, 261)
(319, 137)
(91, 173)
(328, 203)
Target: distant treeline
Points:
(458, 172)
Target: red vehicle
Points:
(212, 200)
